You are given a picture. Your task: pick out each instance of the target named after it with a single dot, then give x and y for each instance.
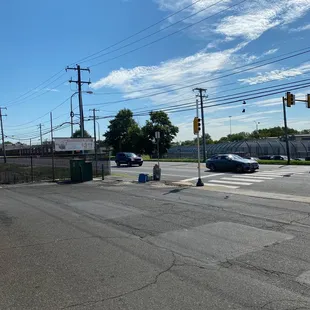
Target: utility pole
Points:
(95, 137)
(52, 147)
(79, 82)
(199, 181)
(230, 125)
(201, 91)
(2, 134)
(40, 127)
(288, 153)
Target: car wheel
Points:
(212, 167)
(129, 164)
(239, 168)
(118, 164)
(140, 164)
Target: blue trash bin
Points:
(143, 178)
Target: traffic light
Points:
(308, 101)
(196, 125)
(290, 99)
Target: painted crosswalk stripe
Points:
(271, 175)
(203, 177)
(247, 179)
(230, 182)
(256, 177)
(221, 185)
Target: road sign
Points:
(157, 134)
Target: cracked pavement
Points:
(131, 246)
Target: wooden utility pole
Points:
(2, 134)
(95, 137)
(52, 147)
(79, 82)
(41, 141)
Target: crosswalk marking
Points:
(247, 179)
(230, 182)
(271, 175)
(256, 177)
(203, 177)
(221, 185)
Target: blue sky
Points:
(40, 38)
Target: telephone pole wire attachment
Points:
(79, 82)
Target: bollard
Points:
(102, 171)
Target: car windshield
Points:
(236, 157)
(131, 154)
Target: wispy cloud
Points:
(302, 28)
(274, 75)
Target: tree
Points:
(124, 134)
(159, 121)
(8, 142)
(77, 134)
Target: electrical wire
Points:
(167, 36)
(33, 89)
(84, 59)
(302, 52)
(158, 31)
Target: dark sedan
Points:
(230, 162)
(127, 158)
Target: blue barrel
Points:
(143, 178)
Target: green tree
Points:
(124, 134)
(77, 134)
(159, 121)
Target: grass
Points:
(14, 173)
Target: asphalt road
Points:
(121, 245)
(293, 180)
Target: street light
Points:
(71, 108)
(257, 123)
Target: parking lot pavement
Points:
(134, 246)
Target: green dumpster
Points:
(80, 170)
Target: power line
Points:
(303, 51)
(29, 97)
(33, 89)
(82, 60)
(156, 32)
(169, 35)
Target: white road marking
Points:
(247, 179)
(221, 185)
(203, 177)
(230, 182)
(271, 175)
(138, 172)
(256, 177)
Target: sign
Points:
(157, 134)
(73, 144)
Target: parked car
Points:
(279, 157)
(127, 158)
(265, 157)
(230, 162)
(299, 159)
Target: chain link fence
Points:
(25, 169)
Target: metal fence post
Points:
(102, 171)
(31, 165)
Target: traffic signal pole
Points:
(199, 181)
(288, 153)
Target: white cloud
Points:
(302, 28)
(277, 75)
(271, 51)
(246, 21)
